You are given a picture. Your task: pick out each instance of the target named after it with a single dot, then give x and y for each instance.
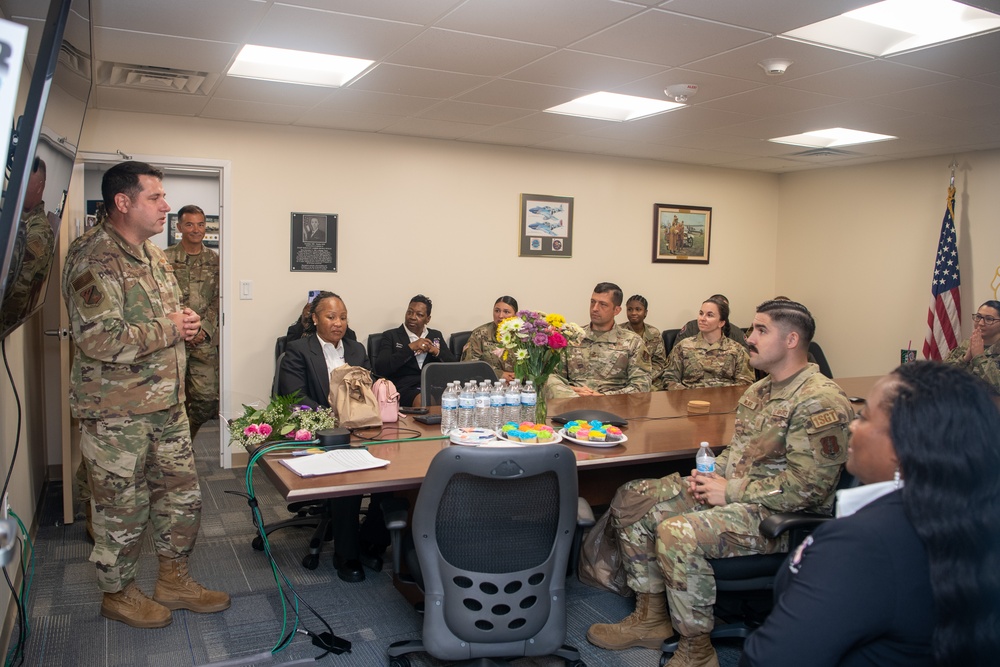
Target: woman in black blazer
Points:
(305, 368)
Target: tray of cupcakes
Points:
(528, 433)
(593, 434)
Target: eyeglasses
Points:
(985, 319)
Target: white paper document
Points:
(333, 461)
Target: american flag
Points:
(944, 323)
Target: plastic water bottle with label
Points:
(528, 400)
(512, 403)
(449, 409)
(483, 404)
(497, 398)
(467, 405)
(705, 459)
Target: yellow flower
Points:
(556, 320)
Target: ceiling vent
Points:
(75, 60)
(825, 152)
(137, 77)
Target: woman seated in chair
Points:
(483, 346)
(636, 309)
(710, 359)
(306, 368)
(909, 574)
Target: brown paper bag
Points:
(352, 398)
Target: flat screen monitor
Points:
(42, 152)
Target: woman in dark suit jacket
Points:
(306, 368)
(404, 350)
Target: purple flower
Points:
(540, 339)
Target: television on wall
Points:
(43, 147)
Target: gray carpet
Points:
(66, 628)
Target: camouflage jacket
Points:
(481, 346)
(653, 339)
(690, 330)
(696, 363)
(198, 279)
(986, 366)
(611, 362)
(30, 260)
(789, 444)
(129, 356)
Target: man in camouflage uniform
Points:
(789, 443)
(34, 248)
(127, 390)
(980, 355)
(196, 269)
(608, 360)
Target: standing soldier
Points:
(127, 390)
(197, 271)
(786, 454)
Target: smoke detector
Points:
(681, 92)
(775, 66)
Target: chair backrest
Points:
(493, 528)
(669, 338)
(374, 340)
(277, 371)
(817, 354)
(435, 377)
(279, 346)
(458, 341)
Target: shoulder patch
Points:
(830, 446)
(825, 418)
(86, 288)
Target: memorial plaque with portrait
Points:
(314, 242)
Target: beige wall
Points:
(858, 244)
(442, 218)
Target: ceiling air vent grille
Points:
(77, 61)
(155, 78)
(825, 152)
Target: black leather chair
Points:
(492, 534)
(457, 341)
(816, 352)
(669, 338)
(435, 377)
(374, 340)
(279, 346)
(745, 584)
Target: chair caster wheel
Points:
(664, 658)
(257, 544)
(311, 561)
(401, 661)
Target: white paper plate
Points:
(556, 437)
(473, 436)
(591, 443)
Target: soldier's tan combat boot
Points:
(694, 651)
(131, 606)
(647, 626)
(175, 589)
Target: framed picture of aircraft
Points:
(681, 233)
(546, 226)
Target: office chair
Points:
(816, 352)
(457, 341)
(435, 377)
(492, 533)
(279, 346)
(374, 341)
(669, 338)
(745, 584)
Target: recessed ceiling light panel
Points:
(290, 66)
(612, 106)
(831, 137)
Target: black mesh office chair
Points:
(492, 532)
(669, 338)
(457, 341)
(816, 352)
(745, 584)
(374, 340)
(435, 377)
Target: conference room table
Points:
(661, 438)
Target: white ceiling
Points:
(483, 70)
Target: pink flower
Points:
(557, 341)
(264, 430)
(252, 429)
(303, 434)
(540, 339)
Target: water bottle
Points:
(483, 404)
(528, 400)
(497, 399)
(705, 460)
(449, 409)
(467, 405)
(512, 403)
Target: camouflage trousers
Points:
(665, 549)
(141, 470)
(201, 385)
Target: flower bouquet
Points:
(283, 419)
(538, 343)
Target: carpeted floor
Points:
(67, 630)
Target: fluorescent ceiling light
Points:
(832, 137)
(892, 26)
(612, 106)
(289, 66)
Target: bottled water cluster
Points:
(486, 404)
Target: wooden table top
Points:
(659, 429)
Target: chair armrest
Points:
(584, 514)
(778, 524)
(396, 512)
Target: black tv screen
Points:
(43, 149)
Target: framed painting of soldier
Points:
(682, 233)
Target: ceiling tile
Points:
(479, 114)
(662, 127)
(147, 101)
(400, 80)
(771, 101)
(505, 92)
(512, 136)
(875, 77)
(966, 57)
(425, 127)
(552, 122)
(257, 112)
(123, 46)
(573, 69)
(806, 60)
(346, 120)
(666, 39)
(774, 16)
(218, 20)
(710, 86)
(490, 56)
(350, 100)
(411, 11)
(238, 88)
(959, 98)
